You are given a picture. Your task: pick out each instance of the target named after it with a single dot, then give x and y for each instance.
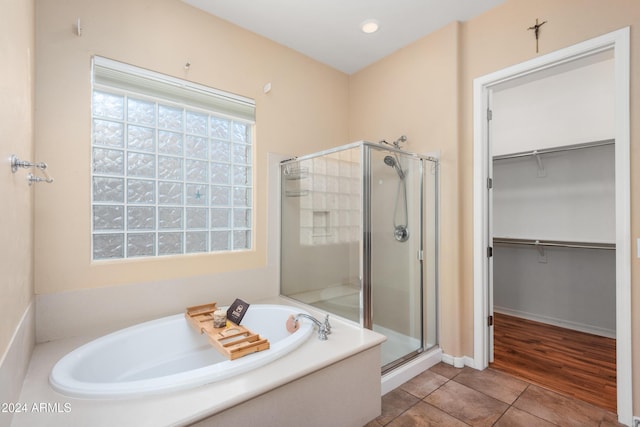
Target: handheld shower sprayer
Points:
(401, 232)
(393, 162)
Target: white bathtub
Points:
(167, 355)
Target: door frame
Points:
(619, 42)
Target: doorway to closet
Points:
(551, 224)
(553, 229)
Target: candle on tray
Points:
(219, 318)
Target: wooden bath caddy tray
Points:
(233, 341)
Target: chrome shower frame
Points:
(366, 285)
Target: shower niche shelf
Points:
(298, 193)
(296, 173)
(321, 224)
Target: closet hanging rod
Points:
(554, 243)
(556, 149)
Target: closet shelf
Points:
(553, 243)
(555, 149)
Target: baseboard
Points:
(458, 361)
(15, 362)
(581, 327)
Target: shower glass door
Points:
(359, 240)
(394, 237)
(321, 230)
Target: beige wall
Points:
(16, 137)
(569, 22)
(415, 91)
(424, 91)
(305, 111)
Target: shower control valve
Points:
(401, 233)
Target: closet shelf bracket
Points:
(542, 256)
(542, 172)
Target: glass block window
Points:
(172, 165)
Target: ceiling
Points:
(329, 30)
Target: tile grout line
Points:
(422, 399)
(511, 405)
(448, 380)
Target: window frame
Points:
(123, 231)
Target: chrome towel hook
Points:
(16, 163)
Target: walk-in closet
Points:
(553, 229)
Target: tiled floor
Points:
(447, 396)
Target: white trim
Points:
(166, 79)
(404, 373)
(619, 41)
(623, 226)
(480, 231)
(457, 362)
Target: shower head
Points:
(393, 162)
(402, 139)
(396, 143)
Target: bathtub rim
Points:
(61, 380)
(191, 405)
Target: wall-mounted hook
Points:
(78, 28)
(16, 163)
(32, 178)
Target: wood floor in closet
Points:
(573, 363)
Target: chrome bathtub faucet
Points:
(324, 328)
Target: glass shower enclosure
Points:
(359, 240)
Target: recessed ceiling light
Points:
(369, 26)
